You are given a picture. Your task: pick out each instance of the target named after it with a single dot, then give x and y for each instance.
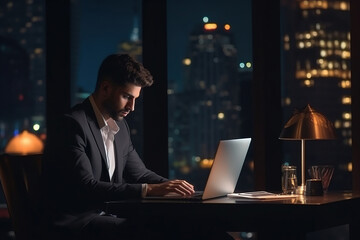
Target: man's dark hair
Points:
(122, 69)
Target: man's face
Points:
(120, 100)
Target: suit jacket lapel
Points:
(94, 127)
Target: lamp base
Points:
(301, 190)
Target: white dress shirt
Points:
(108, 129)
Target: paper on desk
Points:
(261, 195)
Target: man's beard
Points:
(116, 115)
(119, 115)
(110, 110)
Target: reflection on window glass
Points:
(22, 69)
(209, 81)
(316, 70)
(99, 29)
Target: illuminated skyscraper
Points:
(212, 74)
(134, 46)
(209, 106)
(316, 42)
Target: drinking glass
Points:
(289, 179)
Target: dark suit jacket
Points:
(75, 172)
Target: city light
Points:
(308, 83)
(36, 127)
(286, 38)
(243, 65)
(287, 101)
(323, 5)
(210, 26)
(16, 132)
(205, 19)
(221, 115)
(187, 61)
(323, 73)
(323, 53)
(345, 54)
(346, 100)
(344, 6)
(347, 124)
(337, 124)
(346, 115)
(345, 84)
(38, 50)
(227, 27)
(206, 163)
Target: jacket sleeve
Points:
(135, 170)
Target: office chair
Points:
(20, 178)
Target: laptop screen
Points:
(225, 171)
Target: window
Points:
(316, 71)
(209, 84)
(22, 69)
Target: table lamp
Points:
(24, 143)
(307, 124)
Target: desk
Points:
(285, 219)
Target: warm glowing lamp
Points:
(24, 143)
(307, 124)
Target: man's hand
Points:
(180, 187)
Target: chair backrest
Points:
(20, 178)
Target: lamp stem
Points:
(303, 163)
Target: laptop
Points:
(224, 173)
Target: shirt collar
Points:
(110, 124)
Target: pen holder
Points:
(314, 187)
(323, 172)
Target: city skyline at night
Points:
(95, 37)
(22, 72)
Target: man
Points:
(93, 159)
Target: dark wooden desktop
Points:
(283, 219)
